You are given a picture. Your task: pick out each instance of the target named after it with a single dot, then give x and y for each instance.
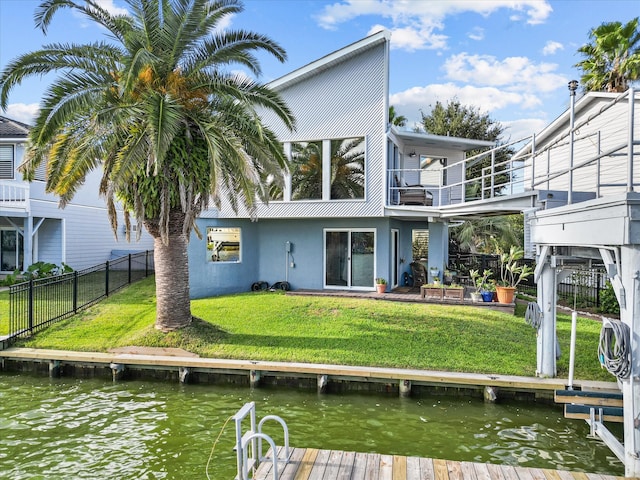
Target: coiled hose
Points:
(533, 315)
(614, 350)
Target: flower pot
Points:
(487, 296)
(381, 287)
(476, 297)
(505, 294)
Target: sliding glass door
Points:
(349, 258)
(10, 251)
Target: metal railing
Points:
(606, 162)
(583, 288)
(37, 303)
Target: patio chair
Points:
(413, 194)
(419, 273)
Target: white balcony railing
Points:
(592, 161)
(14, 195)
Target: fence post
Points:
(75, 291)
(598, 280)
(129, 278)
(106, 278)
(146, 263)
(30, 305)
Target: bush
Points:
(608, 301)
(36, 270)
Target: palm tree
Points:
(347, 168)
(612, 58)
(154, 109)
(397, 120)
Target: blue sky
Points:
(511, 59)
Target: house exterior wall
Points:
(79, 235)
(264, 258)
(348, 99)
(604, 130)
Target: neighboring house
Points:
(33, 228)
(345, 214)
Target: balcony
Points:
(14, 196)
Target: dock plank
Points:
(413, 468)
(427, 469)
(320, 465)
(313, 464)
(359, 467)
(386, 467)
(306, 464)
(440, 469)
(346, 466)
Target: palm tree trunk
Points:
(173, 309)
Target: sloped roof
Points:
(12, 128)
(328, 61)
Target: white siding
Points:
(346, 100)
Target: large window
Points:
(223, 244)
(6, 162)
(328, 169)
(347, 168)
(306, 171)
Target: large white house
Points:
(33, 228)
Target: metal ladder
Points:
(249, 444)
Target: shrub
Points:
(608, 301)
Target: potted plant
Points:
(511, 274)
(480, 283)
(432, 290)
(454, 291)
(381, 285)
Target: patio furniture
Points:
(413, 194)
(419, 273)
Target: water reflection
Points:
(69, 428)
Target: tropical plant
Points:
(155, 110)
(395, 119)
(306, 171)
(381, 281)
(347, 168)
(512, 273)
(480, 282)
(611, 58)
(464, 121)
(488, 234)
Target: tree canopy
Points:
(158, 111)
(611, 58)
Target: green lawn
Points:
(274, 326)
(4, 312)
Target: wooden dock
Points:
(313, 464)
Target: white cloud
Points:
(517, 129)
(410, 39)
(110, 7)
(511, 73)
(552, 47)
(476, 33)
(425, 19)
(22, 112)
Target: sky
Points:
(510, 59)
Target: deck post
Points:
(323, 381)
(546, 343)
(254, 378)
(630, 315)
(405, 388)
(117, 371)
(183, 374)
(54, 368)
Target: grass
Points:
(4, 312)
(274, 326)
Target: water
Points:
(74, 429)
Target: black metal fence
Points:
(582, 288)
(35, 304)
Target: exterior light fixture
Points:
(573, 86)
(412, 154)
